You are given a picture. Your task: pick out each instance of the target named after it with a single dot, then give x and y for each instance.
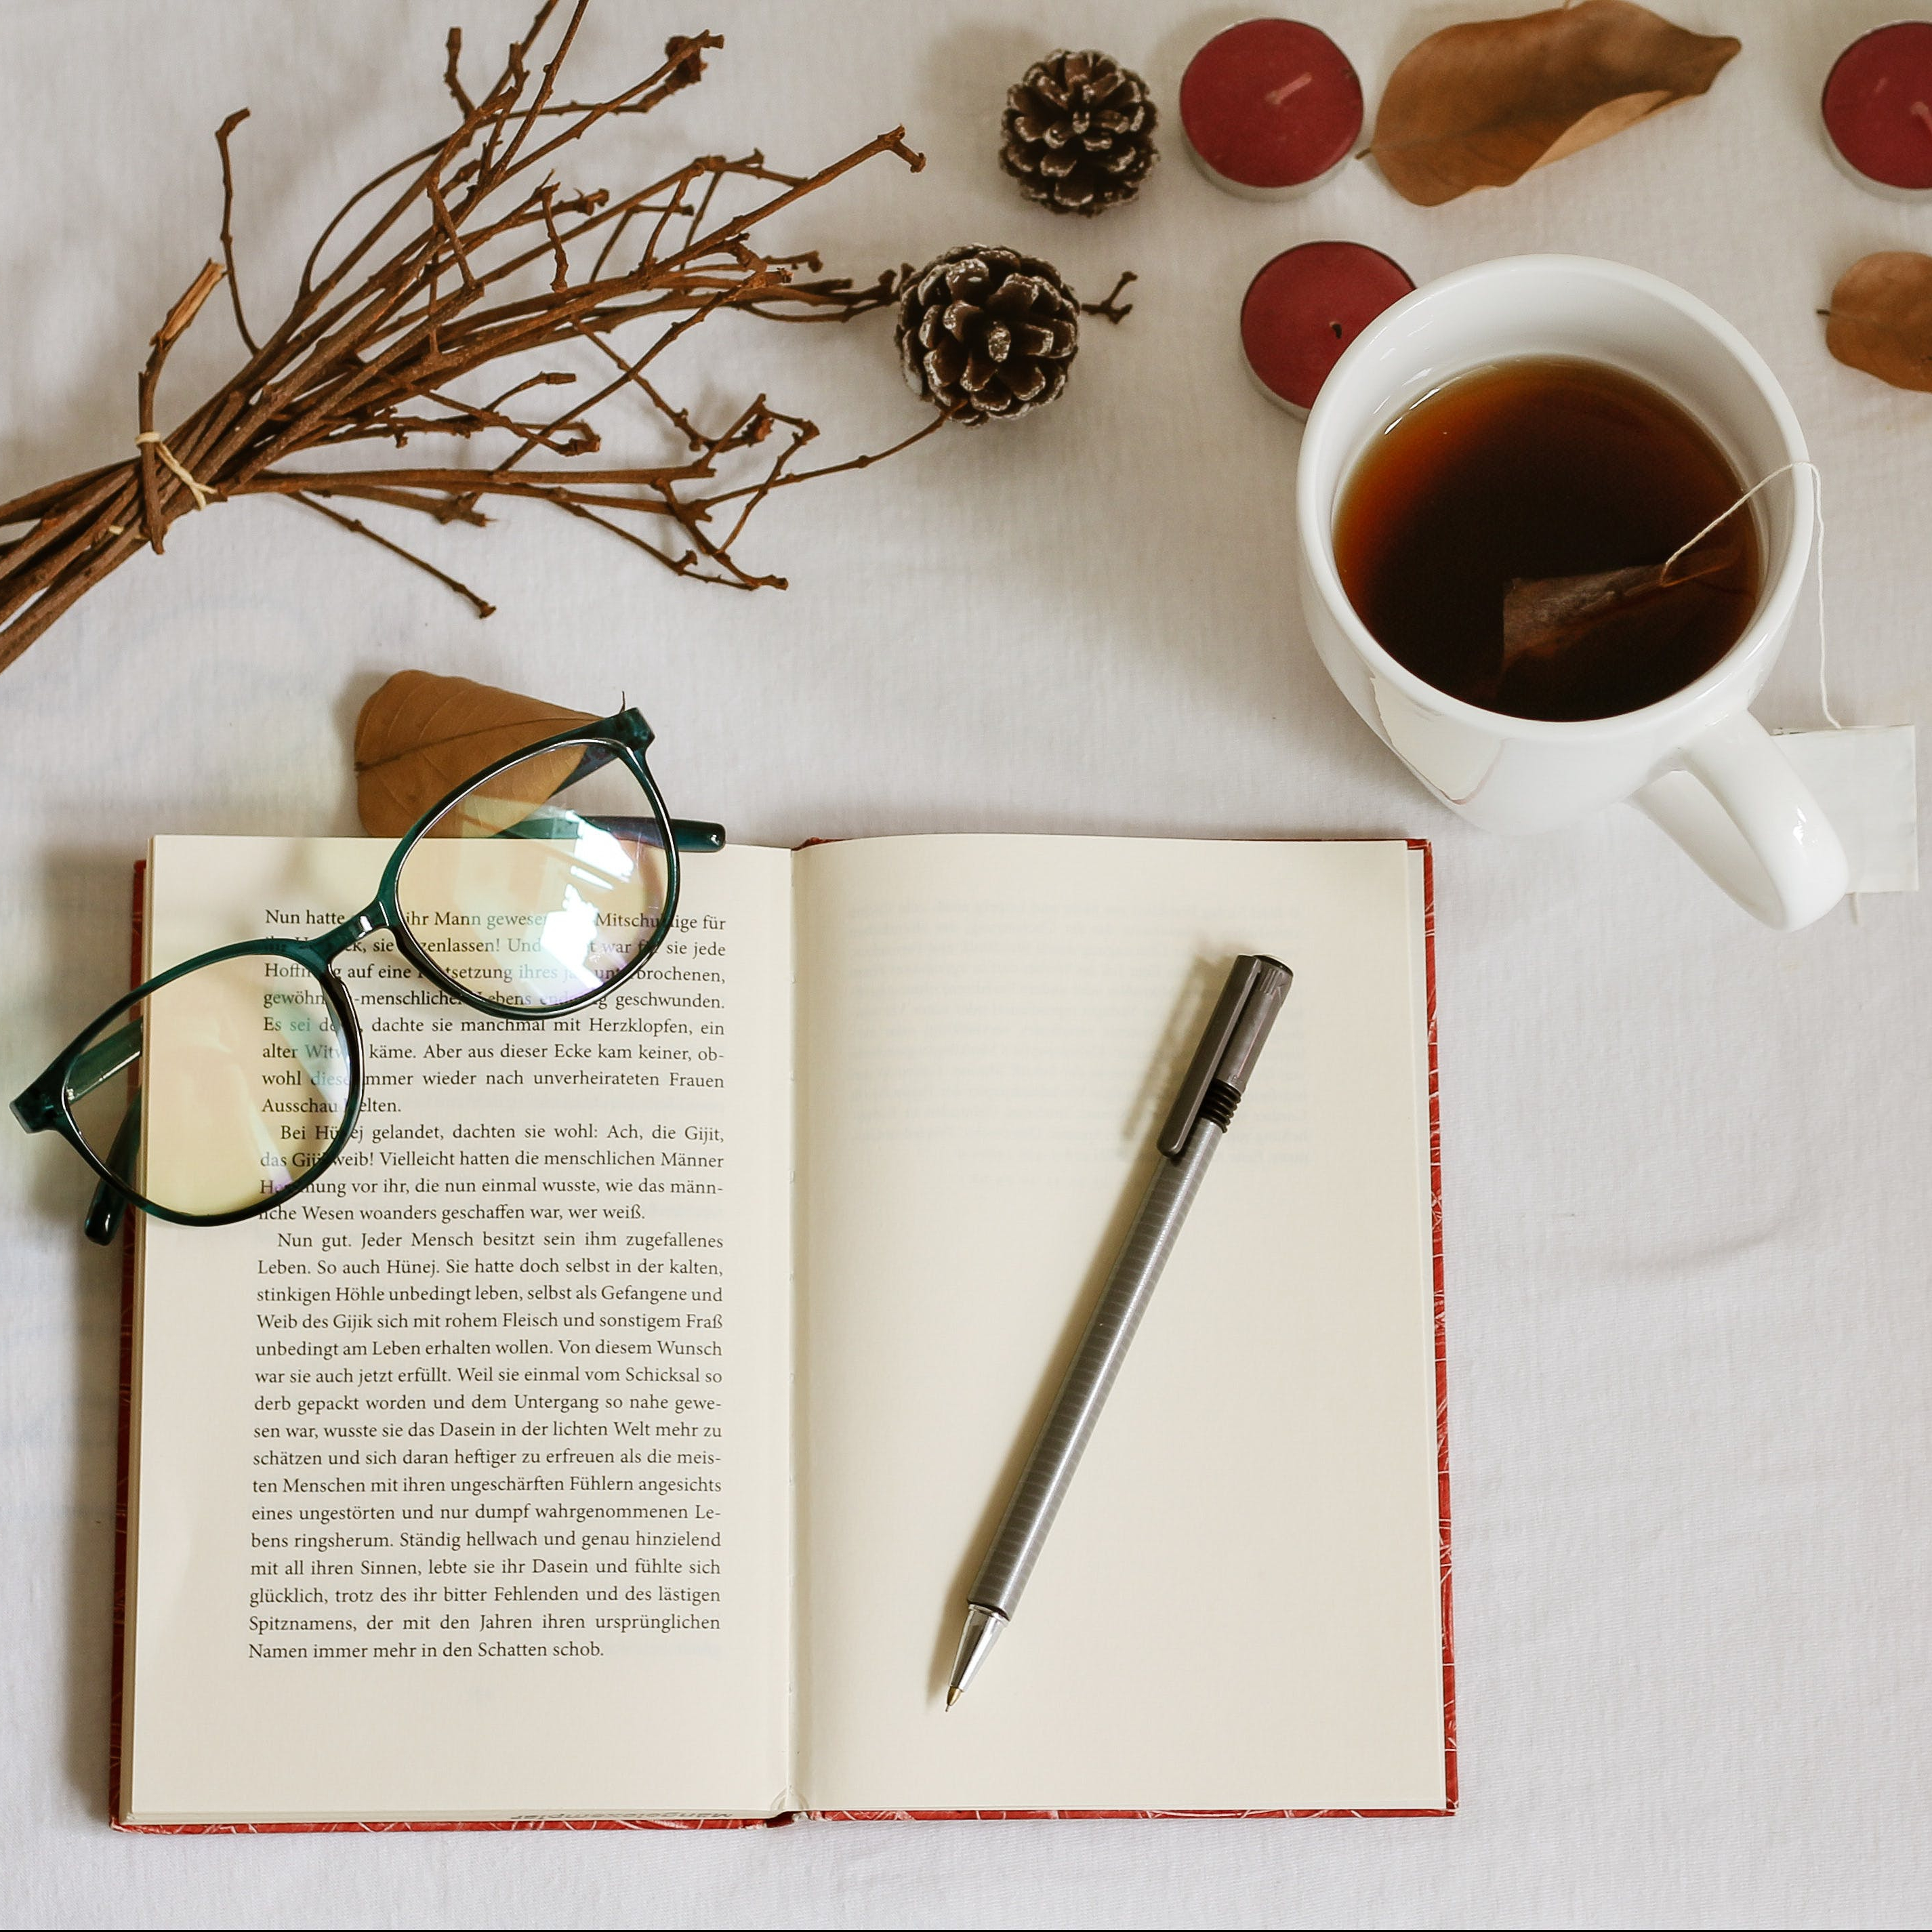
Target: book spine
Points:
(123, 1437)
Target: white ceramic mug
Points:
(1696, 762)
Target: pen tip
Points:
(952, 1696)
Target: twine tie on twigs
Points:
(175, 463)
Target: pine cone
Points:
(1079, 133)
(985, 332)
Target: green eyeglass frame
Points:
(89, 1060)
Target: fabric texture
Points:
(1690, 1335)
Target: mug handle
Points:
(1739, 809)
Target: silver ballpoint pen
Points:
(1202, 1112)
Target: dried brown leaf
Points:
(1880, 319)
(1480, 105)
(421, 736)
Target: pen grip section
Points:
(1082, 1394)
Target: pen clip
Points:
(1235, 1032)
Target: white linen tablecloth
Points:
(1685, 1159)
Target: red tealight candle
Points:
(1270, 108)
(1877, 106)
(1305, 307)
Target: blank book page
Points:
(1239, 1606)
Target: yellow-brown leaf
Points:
(1480, 105)
(1880, 319)
(421, 736)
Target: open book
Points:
(613, 1433)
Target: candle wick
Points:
(1294, 86)
(1337, 328)
(1922, 114)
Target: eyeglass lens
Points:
(216, 1090)
(543, 883)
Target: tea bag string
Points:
(1818, 525)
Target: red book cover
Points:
(1451, 1784)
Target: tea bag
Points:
(1545, 617)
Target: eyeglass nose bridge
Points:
(327, 946)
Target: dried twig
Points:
(470, 264)
(1111, 305)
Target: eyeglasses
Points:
(217, 1089)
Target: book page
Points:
(1239, 1605)
(463, 1480)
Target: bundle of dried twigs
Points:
(445, 283)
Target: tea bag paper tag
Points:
(1865, 777)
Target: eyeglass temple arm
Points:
(687, 835)
(103, 1060)
(104, 1211)
(697, 834)
(100, 1062)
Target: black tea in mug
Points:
(1504, 538)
